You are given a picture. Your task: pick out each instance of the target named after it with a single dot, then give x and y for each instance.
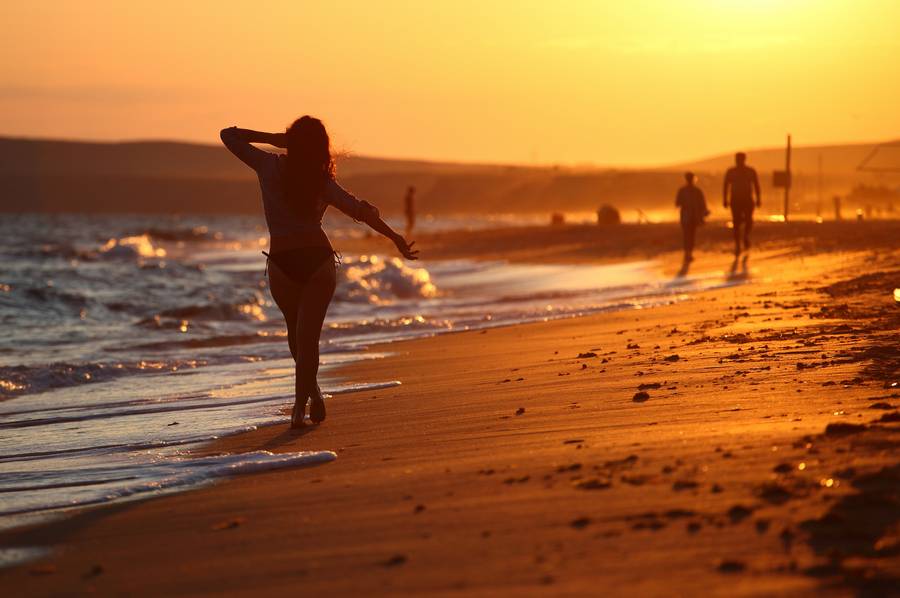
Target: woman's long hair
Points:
(309, 165)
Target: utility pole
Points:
(787, 170)
(819, 189)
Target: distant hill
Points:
(174, 177)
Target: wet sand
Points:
(743, 442)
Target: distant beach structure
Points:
(607, 214)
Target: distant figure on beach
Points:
(693, 212)
(297, 188)
(743, 182)
(409, 208)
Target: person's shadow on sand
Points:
(735, 274)
(286, 436)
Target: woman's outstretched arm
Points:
(366, 212)
(377, 224)
(239, 141)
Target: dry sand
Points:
(742, 442)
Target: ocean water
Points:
(127, 341)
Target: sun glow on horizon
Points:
(643, 82)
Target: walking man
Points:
(743, 183)
(693, 211)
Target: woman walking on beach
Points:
(297, 187)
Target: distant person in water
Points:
(693, 212)
(409, 208)
(297, 188)
(743, 183)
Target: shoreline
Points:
(587, 470)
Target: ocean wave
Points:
(116, 483)
(196, 233)
(22, 379)
(134, 247)
(180, 318)
(375, 280)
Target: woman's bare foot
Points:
(297, 415)
(317, 407)
(317, 410)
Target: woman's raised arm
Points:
(239, 141)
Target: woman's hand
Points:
(406, 248)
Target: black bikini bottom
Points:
(300, 264)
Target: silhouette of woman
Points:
(296, 190)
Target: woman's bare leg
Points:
(314, 301)
(286, 294)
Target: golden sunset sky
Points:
(637, 82)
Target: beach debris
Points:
(581, 522)
(650, 386)
(520, 480)
(693, 527)
(565, 468)
(680, 485)
(93, 572)
(641, 396)
(673, 357)
(738, 513)
(783, 468)
(715, 489)
(586, 355)
(418, 509)
(633, 346)
(731, 566)
(593, 484)
(574, 441)
(394, 561)
(774, 493)
(172, 424)
(762, 525)
(843, 429)
(228, 524)
(520, 411)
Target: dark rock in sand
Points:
(593, 484)
(738, 513)
(684, 485)
(640, 397)
(520, 411)
(672, 358)
(397, 559)
(586, 355)
(774, 493)
(881, 405)
(843, 429)
(649, 386)
(729, 566)
(783, 468)
(581, 523)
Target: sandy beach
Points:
(740, 442)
